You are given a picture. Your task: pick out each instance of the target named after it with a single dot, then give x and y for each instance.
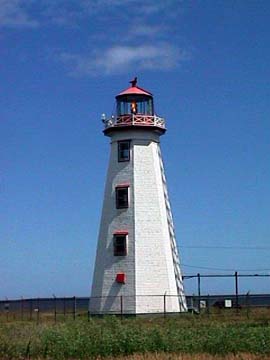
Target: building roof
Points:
(134, 90)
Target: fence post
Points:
(121, 306)
(31, 309)
(55, 309)
(247, 304)
(7, 308)
(74, 308)
(37, 310)
(192, 304)
(164, 304)
(21, 308)
(236, 291)
(208, 305)
(64, 310)
(199, 291)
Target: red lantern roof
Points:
(134, 89)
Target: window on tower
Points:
(123, 150)
(120, 244)
(121, 197)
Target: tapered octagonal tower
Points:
(137, 267)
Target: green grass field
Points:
(181, 337)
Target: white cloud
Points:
(127, 34)
(17, 13)
(117, 59)
(14, 14)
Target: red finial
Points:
(134, 82)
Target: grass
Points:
(164, 356)
(183, 337)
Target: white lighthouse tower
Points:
(137, 267)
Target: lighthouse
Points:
(137, 267)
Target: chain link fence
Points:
(60, 309)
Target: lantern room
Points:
(134, 100)
(134, 107)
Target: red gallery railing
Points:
(137, 120)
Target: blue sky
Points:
(62, 63)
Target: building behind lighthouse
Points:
(137, 267)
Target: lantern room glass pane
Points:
(128, 106)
